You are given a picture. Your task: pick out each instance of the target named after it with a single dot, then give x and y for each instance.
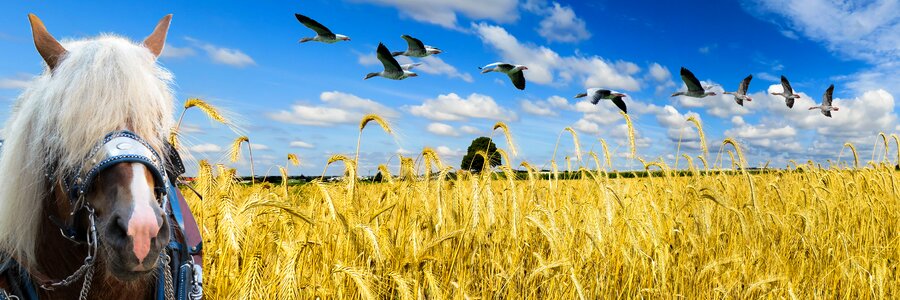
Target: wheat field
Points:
(802, 232)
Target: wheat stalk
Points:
(630, 134)
(699, 127)
(508, 135)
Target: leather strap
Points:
(188, 224)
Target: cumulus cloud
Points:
(206, 148)
(545, 66)
(560, 24)
(452, 107)
(446, 152)
(222, 55)
(301, 144)
(661, 76)
(338, 108)
(549, 107)
(772, 137)
(864, 115)
(442, 129)
(445, 13)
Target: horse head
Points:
(119, 205)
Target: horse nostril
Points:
(119, 227)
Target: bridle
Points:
(116, 147)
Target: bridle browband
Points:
(116, 147)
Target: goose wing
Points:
(518, 79)
(600, 94)
(390, 64)
(620, 103)
(320, 29)
(691, 81)
(415, 45)
(745, 84)
(787, 86)
(826, 98)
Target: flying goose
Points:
(741, 95)
(694, 88)
(788, 92)
(826, 103)
(392, 69)
(514, 71)
(602, 94)
(323, 34)
(416, 48)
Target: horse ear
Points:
(157, 39)
(49, 48)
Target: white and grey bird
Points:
(741, 95)
(323, 34)
(694, 89)
(392, 69)
(416, 48)
(826, 106)
(513, 71)
(787, 92)
(603, 94)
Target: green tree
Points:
(474, 162)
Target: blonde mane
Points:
(103, 84)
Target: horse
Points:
(86, 202)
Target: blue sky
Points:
(308, 98)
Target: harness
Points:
(179, 265)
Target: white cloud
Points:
(472, 130)
(560, 24)
(547, 67)
(206, 148)
(259, 147)
(442, 129)
(768, 136)
(222, 55)
(547, 107)
(660, 73)
(865, 115)
(17, 82)
(353, 102)
(444, 13)
(662, 76)
(586, 126)
(434, 65)
(445, 152)
(676, 124)
(339, 108)
(170, 51)
(536, 109)
(451, 107)
(301, 144)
